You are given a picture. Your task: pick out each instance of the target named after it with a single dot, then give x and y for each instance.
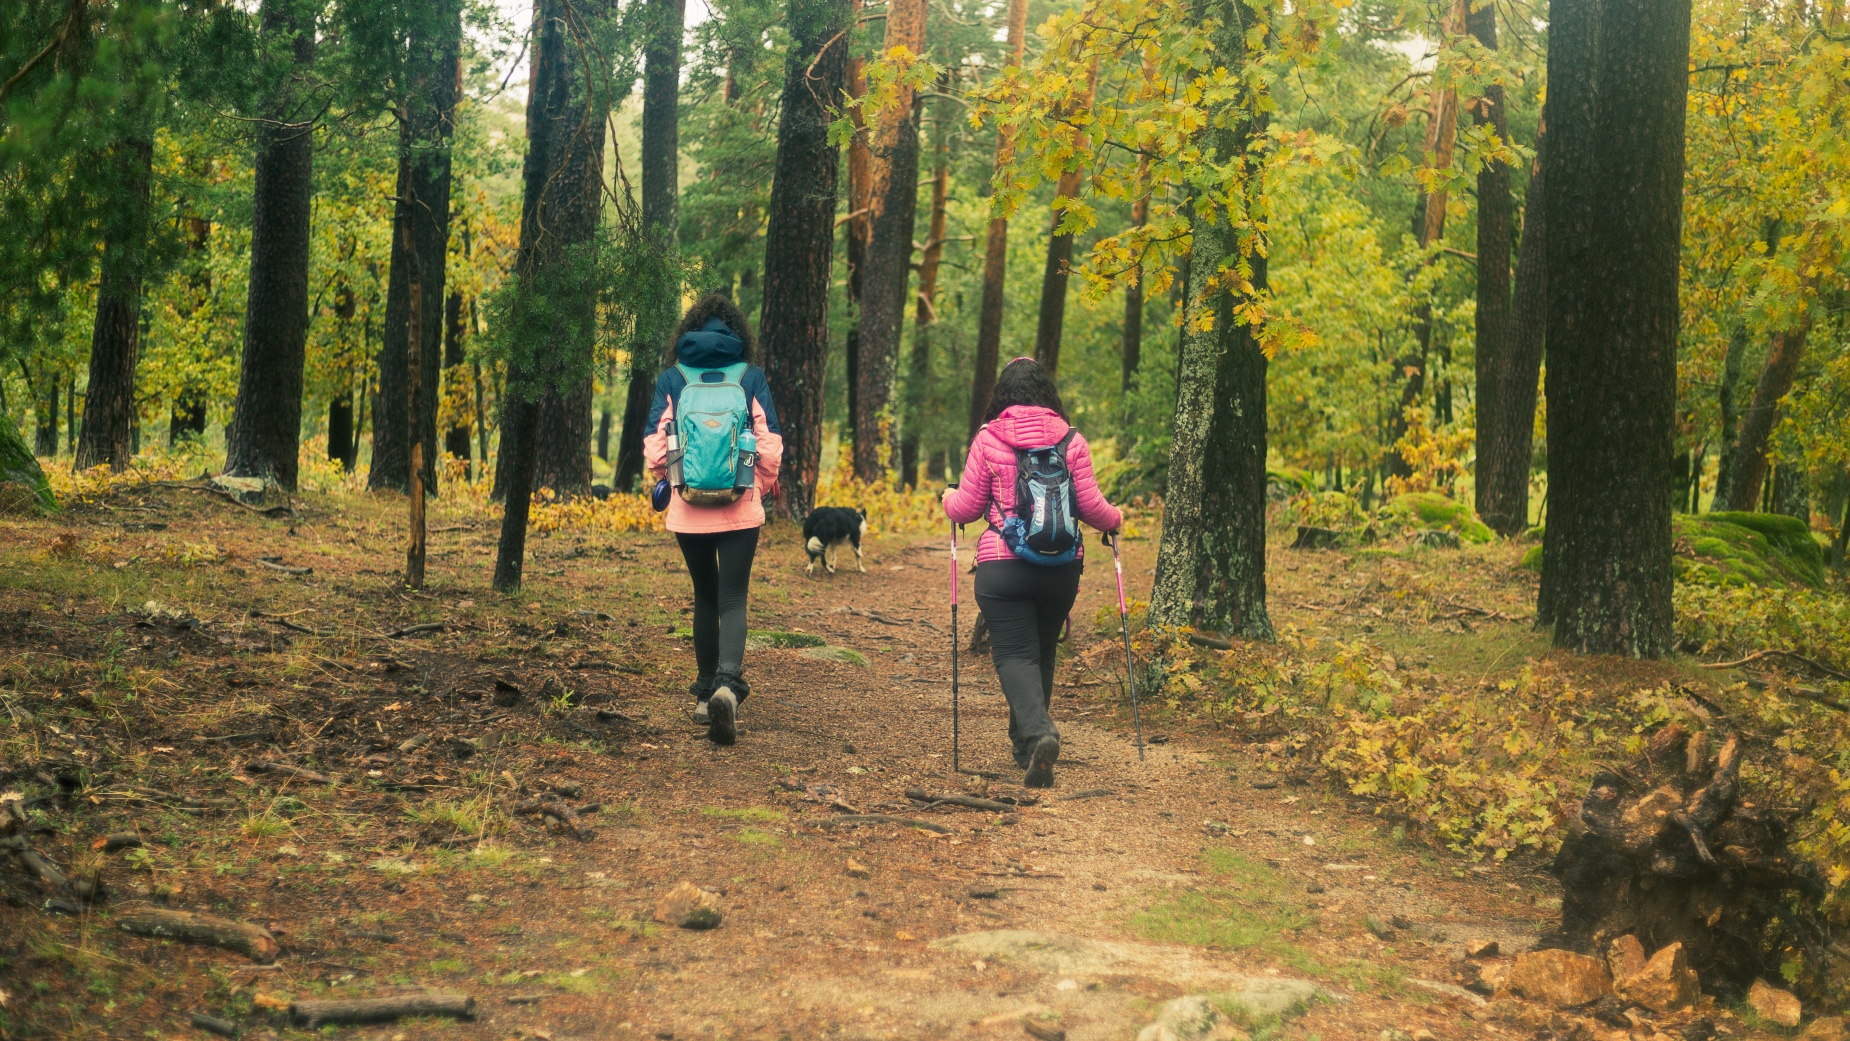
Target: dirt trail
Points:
(1207, 869)
(1044, 915)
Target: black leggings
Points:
(721, 566)
(1025, 605)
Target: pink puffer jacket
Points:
(987, 490)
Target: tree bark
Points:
(1051, 320)
(661, 99)
(889, 250)
(1502, 474)
(264, 436)
(109, 407)
(1210, 566)
(1731, 378)
(421, 215)
(799, 248)
(1749, 457)
(1513, 433)
(1130, 343)
(857, 229)
(340, 428)
(455, 329)
(918, 375)
(995, 250)
(1617, 72)
(44, 410)
(1428, 230)
(561, 200)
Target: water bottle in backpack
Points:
(1045, 526)
(712, 454)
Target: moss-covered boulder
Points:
(1430, 511)
(23, 487)
(1736, 549)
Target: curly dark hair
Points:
(713, 305)
(1024, 382)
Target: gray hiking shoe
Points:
(722, 717)
(700, 710)
(1040, 762)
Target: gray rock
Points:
(1221, 1017)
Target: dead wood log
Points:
(883, 818)
(42, 869)
(215, 1025)
(1312, 537)
(287, 770)
(276, 564)
(413, 630)
(252, 941)
(968, 801)
(1666, 849)
(312, 1014)
(555, 810)
(1773, 652)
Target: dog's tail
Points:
(814, 545)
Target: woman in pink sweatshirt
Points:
(1025, 602)
(718, 542)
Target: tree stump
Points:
(1666, 850)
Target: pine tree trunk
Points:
(340, 427)
(1617, 74)
(1514, 433)
(1502, 450)
(264, 436)
(889, 249)
(1130, 344)
(857, 229)
(799, 247)
(109, 408)
(44, 411)
(1428, 230)
(561, 200)
(421, 215)
(1731, 378)
(995, 251)
(661, 99)
(1052, 316)
(918, 375)
(1749, 458)
(1210, 566)
(455, 328)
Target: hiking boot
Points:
(700, 689)
(722, 717)
(1040, 762)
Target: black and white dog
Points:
(827, 528)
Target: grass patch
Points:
(758, 837)
(756, 814)
(1247, 910)
(841, 654)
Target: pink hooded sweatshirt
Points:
(987, 490)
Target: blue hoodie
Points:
(712, 346)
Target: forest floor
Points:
(152, 665)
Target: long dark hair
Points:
(713, 305)
(1024, 382)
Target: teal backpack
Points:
(712, 456)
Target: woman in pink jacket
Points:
(1025, 602)
(718, 542)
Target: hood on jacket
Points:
(1028, 426)
(712, 346)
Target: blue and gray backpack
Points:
(1045, 526)
(714, 452)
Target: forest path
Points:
(141, 642)
(1192, 872)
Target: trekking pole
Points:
(956, 766)
(1124, 626)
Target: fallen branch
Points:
(413, 630)
(312, 1014)
(252, 941)
(215, 1025)
(968, 801)
(883, 818)
(1775, 652)
(261, 511)
(276, 564)
(875, 616)
(287, 770)
(1210, 641)
(560, 812)
(1091, 793)
(44, 869)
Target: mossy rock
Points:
(1532, 557)
(1741, 549)
(23, 487)
(1434, 512)
(1283, 484)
